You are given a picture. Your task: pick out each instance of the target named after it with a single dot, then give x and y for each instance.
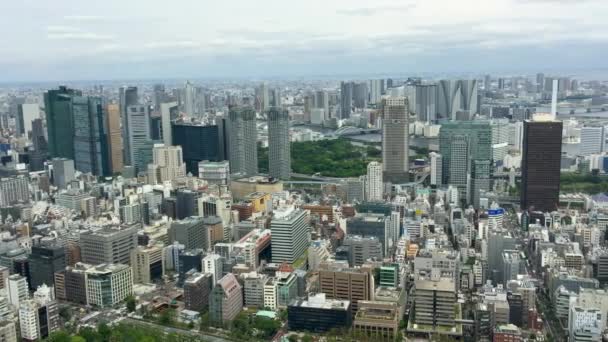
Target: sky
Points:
(152, 39)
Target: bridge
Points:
(350, 130)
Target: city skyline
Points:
(71, 41)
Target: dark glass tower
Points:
(200, 143)
(542, 149)
(59, 120)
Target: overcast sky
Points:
(126, 39)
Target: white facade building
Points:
(373, 182)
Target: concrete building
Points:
(115, 146)
(584, 324)
(362, 249)
(507, 333)
(71, 284)
(374, 182)
(242, 146)
(353, 285)
(38, 320)
(214, 172)
(148, 264)
(212, 264)
(197, 289)
(14, 190)
(395, 140)
(254, 289)
(593, 140)
(190, 232)
(111, 245)
(167, 164)
(436, 164)
(8, 331)
(16, 289)
(289, 235)
(435, 307)
(279, 150)
(108, 284)
(426, 100)
(139, 139)
(346, 99)
(454, 96)
(63, 172)
(226, 300)
(377, 320)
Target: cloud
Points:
(372, 11)
(84, 18)
(57, 32)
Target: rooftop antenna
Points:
(554, 101)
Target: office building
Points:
(71, 284)
(148, 264)
(374, 182)
(322, 102)
(456, 96)
(138, 137)
(360, 95)
(435, 306)
(8, 331)
(41, 148)
(290, 235)
(318, 314)
(115, 145)
(189, 99)
(197, 289)
(38, 319)
(217, 173)
(377, 320)
(262, 97)
(60, 122)
(512, 265)
(353, 285)
(45, 260)
(436, 164)
(16, 289)
(63, 172)
(361, 249)
(584, 324)
(541, 158)
(279, 147)
(346, 99)
(187, 203)
(226, 300)
(507, 333)
(212, 264)
(200, 142)
(27, 112)
(253, 284)
(375, 91)
(108, 284)
(395, 140)
(593, 140)
(127, 98)
(189, 232)
(167, 164)
(242, 146)
(426, 99)
(168, 113)
(14, 190)
(91, 146)
(112, 245)
(380, 226)
(466, 151)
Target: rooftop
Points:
(319, 301)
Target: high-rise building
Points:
(38, 319)
(190, 232)
(197, 289)
(395, 140)
(346, 99)
(374, 182)
(167, 164)
(148, 263)
(279, 147)
(45, 260)
(434, 305)
(189, 99)
(436, 164)
(16, 289)
(262, 96)
(541, 158)
(466, 150)
(71, 284)
(200, 142)
(346, 284)
(60, 122)
(243, 137)
(168, 112)
(226, 300)
(63, 172)
(212, 264)
(27, 113)
(41, 149)
(139, 139)
(540, 81)
(360, 95)
(322, 101)
(375, 91)
(360, 249)
(454, 96)
(593, 140)
(426, 99)
(115, 146)
(91, 147)
(214, 172)
(584, 324)
(111, 245)
(108, 284)
(289, 235)
(127, 97)
(14, 190)
(487, 82)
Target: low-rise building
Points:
(318, 314)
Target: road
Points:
(169, 330)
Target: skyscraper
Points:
(466, 149)
(59, 120)
(373, 182)
(114, 138)
(322, 101)
(200, 142)
(27, 112)
(63, 172)
(541, 157)
(45, 260)
(436, 168)
(395, 140)
(279, 154)
(360, 95)
(139, 137)
(375, 91)
(593, 140)
(91, 148)
(167, 164)
(289, 234)
(346, 99)
(262, 96)
(128, 97)
(243, 136)
(454, 96)
(426, 98)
